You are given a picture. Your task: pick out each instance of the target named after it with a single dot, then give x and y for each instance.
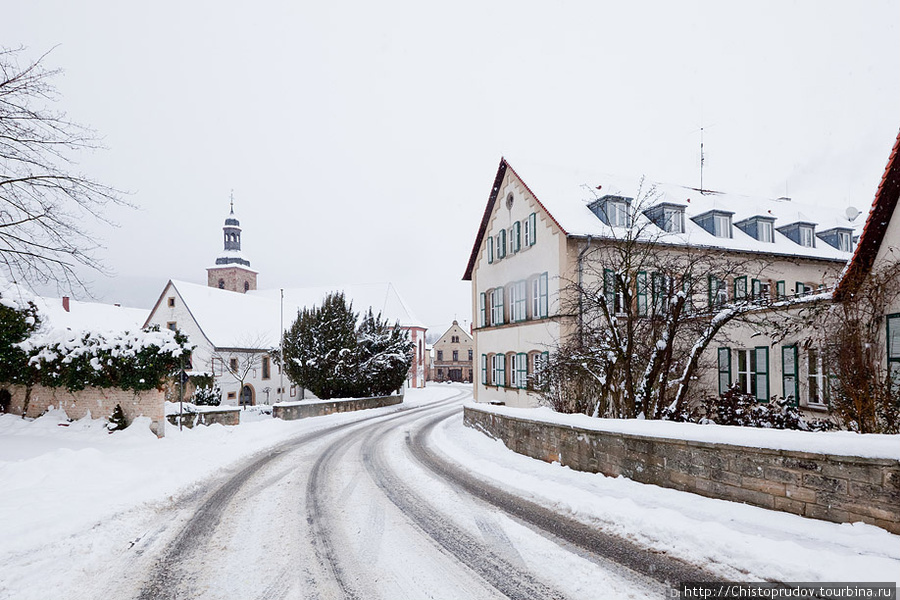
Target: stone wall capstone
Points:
(821, 486)
(317, 408)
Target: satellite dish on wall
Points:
(851, 212)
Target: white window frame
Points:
(816, 378)
(765, 231)
(617, 213)
(722, 226)
(807, 236)
(673, 220)
(497, 306)
(845, 241)
(518, 301)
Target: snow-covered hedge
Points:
(32, 352)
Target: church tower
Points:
(232, 271)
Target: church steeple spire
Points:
(232, 270)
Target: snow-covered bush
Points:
(736, 408)
(129, 360)
(19, 320)
(325, 351)
(117, 420)
(206, 391)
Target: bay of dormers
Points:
(716, 222)
(759, 227)
(800, 232)
(614, 211)
(668, 216)
(838, 237)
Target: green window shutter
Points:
(711, 292)
(521, 369)
(517, 236)
(490, 249)
(642, 294)
(762, 373)
(501, 243)
(724, 369)
(740, 288)
(789, 374)
(482, 309)
(609, 289)
(532, 218)
(484, 369)
(779, 289)
(500, 306)
(545, 295)
(501, 370)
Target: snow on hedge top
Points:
(566, 192)
(232, 320)
(840, 443)
(14, 296)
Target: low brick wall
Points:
(100, 402)
(318, 408)
(224, 416)
(833, 488)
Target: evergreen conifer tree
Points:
(117, 419)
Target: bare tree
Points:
(642, 321)
(43, 198)
(864, 394)
(240, 362)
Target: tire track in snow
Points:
(490, 565)
(169, 576)
(590, 542)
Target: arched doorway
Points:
(247, 396)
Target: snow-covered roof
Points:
(566, 193)
(90, 316)
(251, 320)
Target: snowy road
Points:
(398, 502)
(358, 511)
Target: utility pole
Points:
(281, 351)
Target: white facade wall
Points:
(545, 256)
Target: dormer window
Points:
(802, 233)
(838, 237)
(716, 222)
(807, 239)
(612, 210)
(759, 227)
(668, 217)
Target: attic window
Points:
(722, 226)
(760, 228)
(673, 220)
(765, 231)
(612, 210)
(171, 302)
(844, 243)
(806, 236)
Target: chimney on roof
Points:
(65, 300)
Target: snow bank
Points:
(843, 443)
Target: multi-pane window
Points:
(517, 301)
(817, 380)
(722, 226)
(539, 297)
(761, 290)
(765, 231)
(501, 244)
(753, 372)
(470, 354)
(893, 349)
(662, 292)
(780, 291)
(520, 376)
(498, 369)
(673, 220)
(490, 249)
(515, 237)
(617, 213)
(456, 356)
(440, 355)
(529, 225)
(538, 377)
(497, 306)
(718, 292)
(613, 292)
(844, 241)
(807, 237)
(642, 294)
(801, 288)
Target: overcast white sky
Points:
(361, 138)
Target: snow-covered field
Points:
(73, 497)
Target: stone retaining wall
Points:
(99, 402)
(318, 408)
(833, 488)
(225, 416)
